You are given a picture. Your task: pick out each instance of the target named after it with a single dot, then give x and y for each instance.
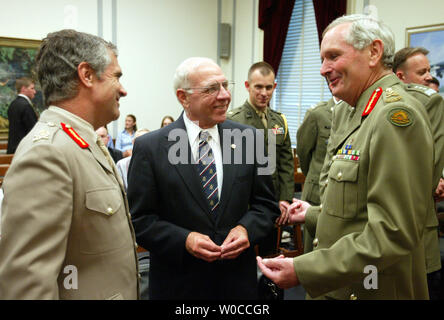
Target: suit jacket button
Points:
(353, 297)
(339, 175)
(109, 210)
(315, 242)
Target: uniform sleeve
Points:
(285, 167)
(399, 169)
(306, 138)
(435, 111)
(36, 219)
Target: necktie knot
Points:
(204, 136)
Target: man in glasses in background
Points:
(257, 113)
(195, 206)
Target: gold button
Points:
(315, 242)
(353, 297)
(109, 210)
(339, 175)
(320, 206)
(68, 126)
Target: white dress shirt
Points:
(193, 131)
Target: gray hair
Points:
(185, 68)
(363, 30)
(59, 56)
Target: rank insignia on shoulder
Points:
(42, 135)
(391, 95)
(400, 117)
(372, 101)
(74, 135)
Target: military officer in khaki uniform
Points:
(257, 113)
(412, 67)
(373, 214)
(312, 138)
(66, 228)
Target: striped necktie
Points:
(207, 171)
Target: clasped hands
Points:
(202, 247)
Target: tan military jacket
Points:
(376, 203)
(283, 177)
(434, 105)
(66, 228)
(312, 139)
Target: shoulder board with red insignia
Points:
(74, 136)
(372, 101)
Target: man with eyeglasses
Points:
(257, 113)
(195, 206)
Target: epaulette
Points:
(45, 134)
(420, 88)
(74, 135)
(234, 111)
(320, 104)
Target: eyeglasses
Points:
(213, 89)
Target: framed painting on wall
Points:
(17, 59)
(432, 38)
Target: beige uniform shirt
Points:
(66, 228)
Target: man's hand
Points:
(297, 210)
(127, 153)
(283, 218)
(236, 242)
(439, 193)
(202, 247)
(280, 270)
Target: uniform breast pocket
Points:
(104, 222)
(341, 194)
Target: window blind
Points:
(299, 83)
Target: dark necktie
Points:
(207, 171)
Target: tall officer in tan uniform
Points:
(257, 113)
(66, 229)
(370, 225)
(413, 68)
(311, 145)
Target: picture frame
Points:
(17, 59)
(430, 37)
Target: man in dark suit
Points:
(21, 115)
(201, 248)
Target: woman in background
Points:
(124, 141)
(166, 121)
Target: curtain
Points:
(274, 18)
(326, 12)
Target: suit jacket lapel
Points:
(229, 173)
(187, 170)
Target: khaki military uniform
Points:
(283, 177)
(312, 139)
(434, 105)
(374, 209)
(66, 228)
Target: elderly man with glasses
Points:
(200, 195)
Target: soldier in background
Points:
(257, 113)
(311, 145)
(412, 67)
